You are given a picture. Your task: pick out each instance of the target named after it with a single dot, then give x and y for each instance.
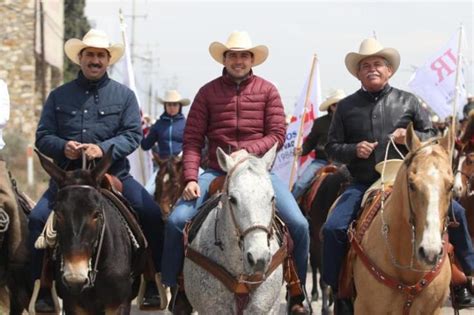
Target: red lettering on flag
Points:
(441, 64)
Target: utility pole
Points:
(132, 35)
(43, 57)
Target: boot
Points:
(151, 298)
(179, 304)
(44, 302)
(296, 307)
(463, 297)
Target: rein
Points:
(241, 285)
(92, 272)
(409, 291)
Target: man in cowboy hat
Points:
(238, 112)
(316, 141)
(93, 113)
(358, 136)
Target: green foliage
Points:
(76, 25)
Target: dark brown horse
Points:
(14, 280)
(96, 270)
(330, 181)
(169, 183)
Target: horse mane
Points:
(468, 131)
(253, 164)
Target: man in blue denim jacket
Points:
(90, 114)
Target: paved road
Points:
(315, 305)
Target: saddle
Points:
(308, 197)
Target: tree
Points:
(76, 25)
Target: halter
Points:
(91, 272)
(241, 234)
(385, 226)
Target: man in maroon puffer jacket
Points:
(237, 112)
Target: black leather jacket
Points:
(365, 116)
(318, 137)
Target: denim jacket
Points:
(103, 112)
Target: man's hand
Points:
(399, 135)
(298, 151)
(364, 149)
(191, 191)
(72, 150)
(92, 151)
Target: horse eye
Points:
(412, 186)
(96, 215)
(232, 200)
(273, 199)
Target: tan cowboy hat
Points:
(172, 96)
(390, 174)
(371, 47)
(93, 38)
(332, 98)
(238, 41)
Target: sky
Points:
(171, 39)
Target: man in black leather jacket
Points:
(358, 136)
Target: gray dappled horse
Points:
(242, 223)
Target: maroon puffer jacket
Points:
(248, 116)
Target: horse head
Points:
(427, 188)
(169, 183)
(80, 219)
(248, 211)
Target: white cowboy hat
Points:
(172, 96)
(93, 38)
(238, 41)
(371, 47)
(332, 98)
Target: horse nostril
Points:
(250, 259)
(421, 252)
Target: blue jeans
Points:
(306, 178)
(148, 211)
(185, 210)
(335, 242)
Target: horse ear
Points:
(225, 161)
(411, 140)
(103, 166)
(446, 140)
(269, 157)
(56, 173)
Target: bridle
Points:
(97, 247)
(412, 218)
(469, 177)
(241, 233)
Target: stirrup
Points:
(34, 298)
(161, 292)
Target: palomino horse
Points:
(96, 269)
(401, 265)
(242, 225)
(14, 256)
(329, 183)
(169, 183)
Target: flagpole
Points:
(456, 89)
(132, 82)
(294, 166)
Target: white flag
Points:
(141, 165)
(435, 81)
(285, 158)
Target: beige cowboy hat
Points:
(332, 98)
(389, 175)
(93, 38)
(172, 96)
(371, 47)
(238, 41)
